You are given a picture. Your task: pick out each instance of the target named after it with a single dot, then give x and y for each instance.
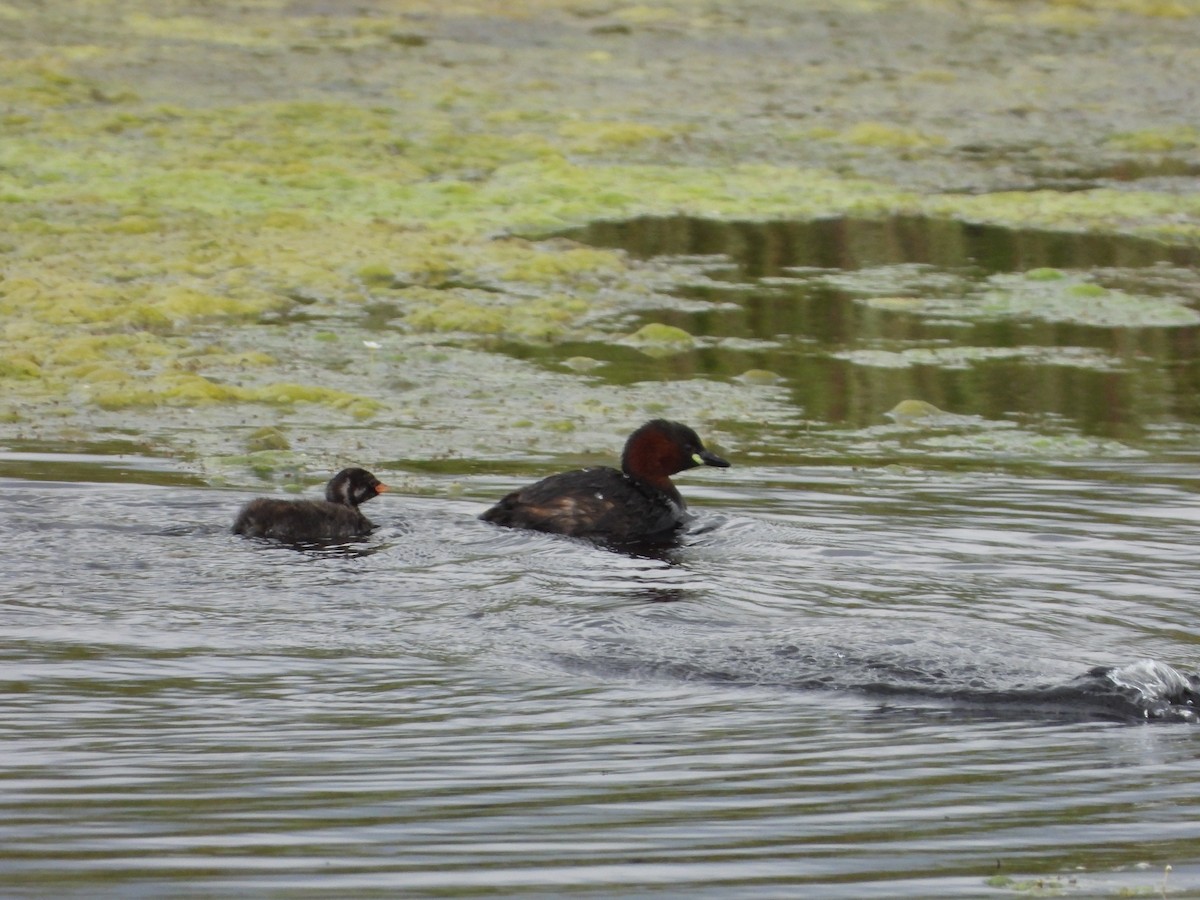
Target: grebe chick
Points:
(332, 520)
(634, 504)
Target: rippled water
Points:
(813, 696)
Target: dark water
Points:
(788, 297)
(949, 656)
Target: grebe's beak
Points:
(708, 458)
(381, 488)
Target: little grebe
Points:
(334, 519)
(637, 503)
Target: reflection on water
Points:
(763, 249)
(831, 702)
(1092, 334)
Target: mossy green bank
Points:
(216, 216)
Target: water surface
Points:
(455, 709)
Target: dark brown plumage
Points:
(332, 520)
(635, 504)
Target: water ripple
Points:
(878, 687)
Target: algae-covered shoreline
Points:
(320, 219)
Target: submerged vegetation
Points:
(208, 210)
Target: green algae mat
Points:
(281, 236)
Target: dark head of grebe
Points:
(353, 487)
(660, 448)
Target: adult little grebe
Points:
(637, 503)
(334, 519)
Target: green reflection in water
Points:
(101, 462)
(1062, 332)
